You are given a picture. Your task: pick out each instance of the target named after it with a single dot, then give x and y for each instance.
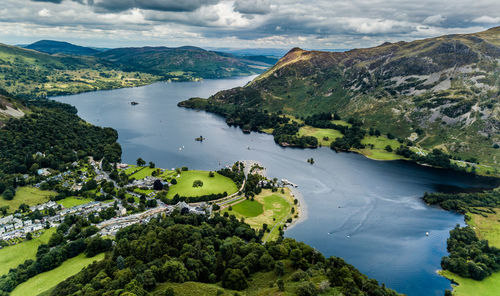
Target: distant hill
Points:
(30, 73)
(186, 61)
(444, 91)
(59, 47)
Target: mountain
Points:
(441, 92)
(27, 72)
(188, 62)
(59, 47)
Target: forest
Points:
(50, 136)
(224, 250)
(470, 257)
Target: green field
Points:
(469, 287)
(320, 134)
(248, 208)
(143, 173)
(131, 169)
(72, 201)
(12, 256)
(378, 152)
(28, 195)
(214, 185)
(276, 209)
(486, 228)
(48, 280)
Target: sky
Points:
(310, 24)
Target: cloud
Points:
(242, 23)
(487, 19)
(434, 19)
(159, 5)
(44, 13)
(252, 6)
(50, 1)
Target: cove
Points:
(368, 212)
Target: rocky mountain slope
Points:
(448, 87)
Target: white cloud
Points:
(276, 23)
(487, 19)
(434, 19)
(44, 13)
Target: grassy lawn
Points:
(131, 169)
(72, 201)
(276, 209)
(378, 151)
(28, 195)
(143, 173)
(48, 280)
(216, 184)
(320, 133)
(341, 122)
(469, 287)
(248, 208)
(143, 191)
(12, 256)
(486, 228)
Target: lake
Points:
(368, 212)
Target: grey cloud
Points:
(50, 1)
(252, 6)
(159, 5)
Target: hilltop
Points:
(56, 68)
(186, 61)
(59, 47)
(439, 92)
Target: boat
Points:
(427, 233)
(133, 103)
(286, 182)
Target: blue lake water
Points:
(368, 212)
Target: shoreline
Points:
(301, 208)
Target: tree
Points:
(234, 279)
(140, 162)
(281, 285)
(388, 148)
(158, 185)
(197, 183)
(29, 236)
(175, 271)
(307, 289)
(56, 239)
(151, 165)
(9, 193)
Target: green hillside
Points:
(58, 47)
(441, 92)
(32, 74)
(179, 63)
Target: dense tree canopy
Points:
(183, 248)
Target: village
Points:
(18, 226)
